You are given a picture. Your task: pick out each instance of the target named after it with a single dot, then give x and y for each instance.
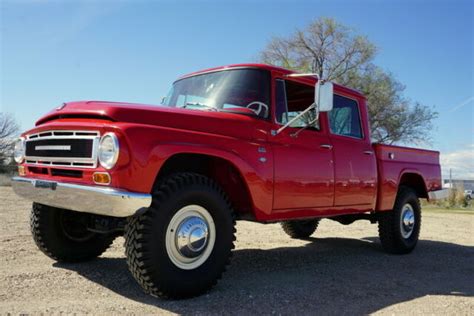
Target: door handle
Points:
(368, 152)
(326, 146)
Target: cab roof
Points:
(270, 68)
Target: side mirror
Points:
(323, 96)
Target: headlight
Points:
(19, 150)
(108, 150)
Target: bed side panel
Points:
(394, 161)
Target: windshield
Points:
(245, 91)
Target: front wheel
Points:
(63, 235)
(399, 229)
(181, 245)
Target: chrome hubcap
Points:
(407, 221)
(190, 237)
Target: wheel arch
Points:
(414, 180)
(224, 171)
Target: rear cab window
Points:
(344, 118)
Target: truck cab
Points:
(333, 156)
(240, 142)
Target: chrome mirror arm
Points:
(295, 134)
(312, 106)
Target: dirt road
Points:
(342, 270)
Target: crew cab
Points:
(242, 142)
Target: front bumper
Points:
(82, 198)
(438, 194)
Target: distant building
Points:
(465, 184)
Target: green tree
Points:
(337, 53)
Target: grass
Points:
(445, 206)
(452, 210)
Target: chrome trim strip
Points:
(53, 147)
(59, 159)
(82, 198)
(438, 194)
(74, 134)
(61, 164)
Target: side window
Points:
(344, 119)
(291, 99)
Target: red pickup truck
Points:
(242, 142)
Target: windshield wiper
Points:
(211, 108)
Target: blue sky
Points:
(57, 51)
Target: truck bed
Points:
(397, 165)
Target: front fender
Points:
(259, 179)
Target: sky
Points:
(59, 51)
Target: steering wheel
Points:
(261, 106)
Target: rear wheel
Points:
(300, 229)
(181, 245)
(399, 229)
(63, 235)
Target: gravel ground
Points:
(342, 270)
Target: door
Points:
(304, 176)
(354, 158)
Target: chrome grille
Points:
(63, 148)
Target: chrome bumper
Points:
(438, 194)
(81, 198)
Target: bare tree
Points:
(8, 131)
(325, 47)
(337, 53)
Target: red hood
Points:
(114, 111)
(188, 119)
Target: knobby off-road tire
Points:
(300, 229)
(184, 204)
(62, 234)
(399, 229)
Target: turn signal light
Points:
(101, 178)
(21, 170)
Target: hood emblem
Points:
(59, 108)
